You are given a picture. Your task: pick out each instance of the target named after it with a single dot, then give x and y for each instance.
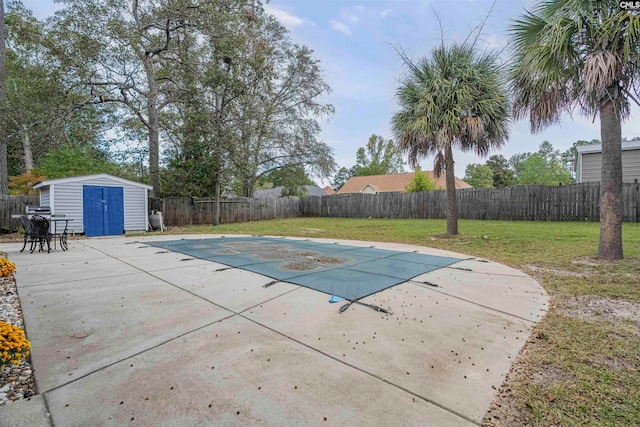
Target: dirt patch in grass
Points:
(549, 375)
(312, 230)
(559, 271)
(617, 362)
(588, 307)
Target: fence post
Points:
(637, 199)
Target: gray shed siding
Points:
(630, 166)
(67, 200)
(135, 208)
(44, 197)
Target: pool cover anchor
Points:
(266, 285)
(374, 307)
(433, 285)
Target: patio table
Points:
(60, 236)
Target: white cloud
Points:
(284, 17)
(354, 18)
(384, 13)
(339, 26)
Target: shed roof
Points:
(393, 182)
(597, 148)
(86, 177)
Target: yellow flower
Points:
(14, 347)
(6, 267)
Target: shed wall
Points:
(630, 166)
(591, 167)
(44, 197)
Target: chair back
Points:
(41, 225)
(29, 227)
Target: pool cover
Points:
(350, 272)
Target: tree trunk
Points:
(154, 132)
(4, 175)
(26, 146)
(217, 157)
(216, 213)
(610, 245)
(452, 204)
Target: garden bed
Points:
(16, 381)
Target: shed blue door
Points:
(102, 210)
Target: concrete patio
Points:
(125, 333)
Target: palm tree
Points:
(581, 53)
(457, 98)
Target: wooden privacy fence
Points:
(186, 211)
(14, 205)
(576, 202)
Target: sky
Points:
(355, 40)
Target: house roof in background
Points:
(597, 148)
(393, 182)
(330, 191)
(312, 190)
(86, 177)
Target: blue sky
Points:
(354, 41)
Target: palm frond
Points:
(565, 53)
(439, 164)
(454, 97)
(601, 70)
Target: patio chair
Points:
(36, 231)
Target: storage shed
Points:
(590, 160)
(97, 205)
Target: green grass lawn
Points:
(580, 367)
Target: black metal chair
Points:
(36, 231)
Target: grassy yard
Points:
(580, 367)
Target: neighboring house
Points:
(374, 184)
(590, 159)
(330, 191)
(312, 190)
(97, 205)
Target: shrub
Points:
(14, 346)
(6, 267)
(421, 182)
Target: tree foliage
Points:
(250, 98)
(421, 182)
(72, 160)
(43, 101)
(378, 157)
(343, 175)
(23, 184)
(502, 174)
(545, 167)
(194, 96)
(478, 176)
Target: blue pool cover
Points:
(350, 272)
